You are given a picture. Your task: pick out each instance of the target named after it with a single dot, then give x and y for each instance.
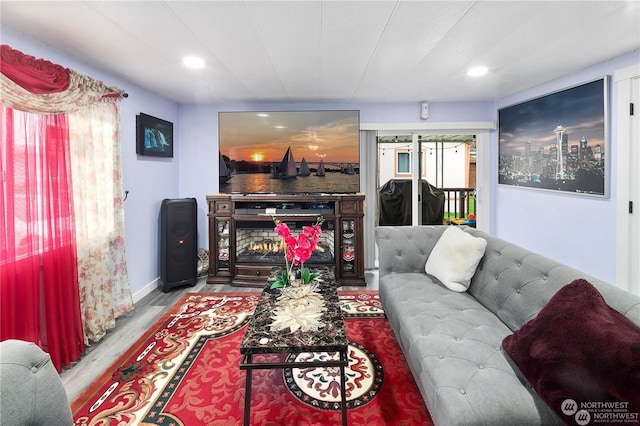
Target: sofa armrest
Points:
(31, 391)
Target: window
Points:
(403, 162)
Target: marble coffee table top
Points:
(259, 338)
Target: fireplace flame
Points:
(269, 246)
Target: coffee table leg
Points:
(343, 388)
(247, 393)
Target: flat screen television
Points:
(289, 152)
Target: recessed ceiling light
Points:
(193, 62)
(477, 71)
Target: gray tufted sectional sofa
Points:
(452, 341)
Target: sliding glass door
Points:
(440, 169)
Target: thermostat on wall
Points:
(424, 111)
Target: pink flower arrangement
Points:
(298, 250)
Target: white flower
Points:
(297, 317)
(309, 291)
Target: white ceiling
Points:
(333, 51)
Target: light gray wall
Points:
(199, 137)
(584, 226)
(577, 230)
(149, 180)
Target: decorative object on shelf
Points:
(297, 251)
(203, 262)
(348, 248)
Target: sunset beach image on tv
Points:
(289, 151)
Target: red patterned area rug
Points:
(184, 371)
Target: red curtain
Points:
(34, 75)
(38, 275)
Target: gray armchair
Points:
(31, 392)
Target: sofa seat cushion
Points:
(453, 347)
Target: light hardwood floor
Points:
(99, 356)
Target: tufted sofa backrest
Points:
(510, 281)
(406, 248)
(515, 283)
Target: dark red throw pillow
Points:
(578, 348)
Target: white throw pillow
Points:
(455, 257)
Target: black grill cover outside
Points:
(395, 203)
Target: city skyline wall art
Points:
(558, 141)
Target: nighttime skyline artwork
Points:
(557, 141)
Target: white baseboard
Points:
(138, 295)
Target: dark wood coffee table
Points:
(260, 340)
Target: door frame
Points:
(627, 270)
(368, 151)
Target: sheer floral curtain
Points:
(97, 190)
(88, 114)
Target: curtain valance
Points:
(41, 87)
(35, 75)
